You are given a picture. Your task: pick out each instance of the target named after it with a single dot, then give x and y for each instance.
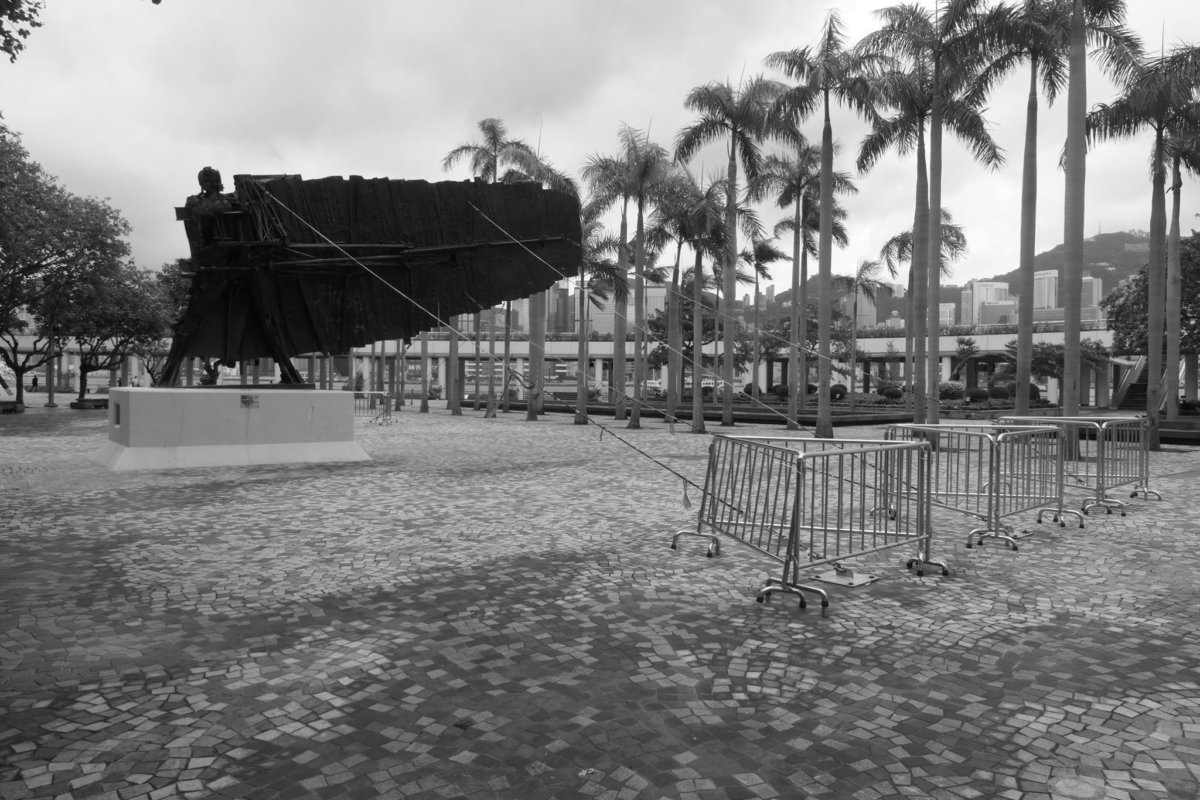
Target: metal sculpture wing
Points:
(285, 266)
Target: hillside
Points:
(1112, 257)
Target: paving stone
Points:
(489, 609)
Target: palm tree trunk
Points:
(453, 389)
(535, 377)
(1028, 232)
(1174, 295)
(933, 311)
(674, 341)
(620, 325)
(1156, 280)
(795, 385)
(491, 398)
(853, 348)
(920, 263)
(507, 351)
(581, 356)
(757, 342)
(639, 318)
(424, 408)
(804, 325)
(824, 428)
(478, 361)
(697, 344)
(1073, 217)
(728, 326)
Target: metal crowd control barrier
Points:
(1100, 454)
(813, 502)
(376, 405)
(991, 472)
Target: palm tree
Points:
(762, 253)
(1159, 96)
(744, 116)
(899, 250)
(824, 72)
(948, 52)
(865, 283)
(1183, 148)
(607, 178)
(693, 214)
(599, 279)
(796, 183)
(681, 203)
(496, 152)
(647, 168)
(499, 159)
(1041, 35)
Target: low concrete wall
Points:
(173, 428)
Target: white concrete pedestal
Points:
(176, 428)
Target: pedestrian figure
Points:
(34, 383)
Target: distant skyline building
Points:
(1045, 288)
(976, 293)
(1092, 291)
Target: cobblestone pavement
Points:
(490, 609)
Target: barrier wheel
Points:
(1015, 548)
(673, 547)
(824, 604)
(1110, 511)
(708, 553)
(803, 603)
(762, 598)
(1062, 523)
(1122, 513)
(945, 572)
(920, 572)
(970, 546)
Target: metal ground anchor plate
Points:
(846, 577)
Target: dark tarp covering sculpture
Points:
(283, 266)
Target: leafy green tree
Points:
(168, 291)
(744, 117)
(18, 18)
(109, 314)
(50, 240)
(1127, 306)
(1157, 96)
(1049, 360)
(965, 353)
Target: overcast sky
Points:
(127, 100)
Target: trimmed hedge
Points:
(976, 395)
(951, 390)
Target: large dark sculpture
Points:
(284, 266)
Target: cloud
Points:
(127, 100)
